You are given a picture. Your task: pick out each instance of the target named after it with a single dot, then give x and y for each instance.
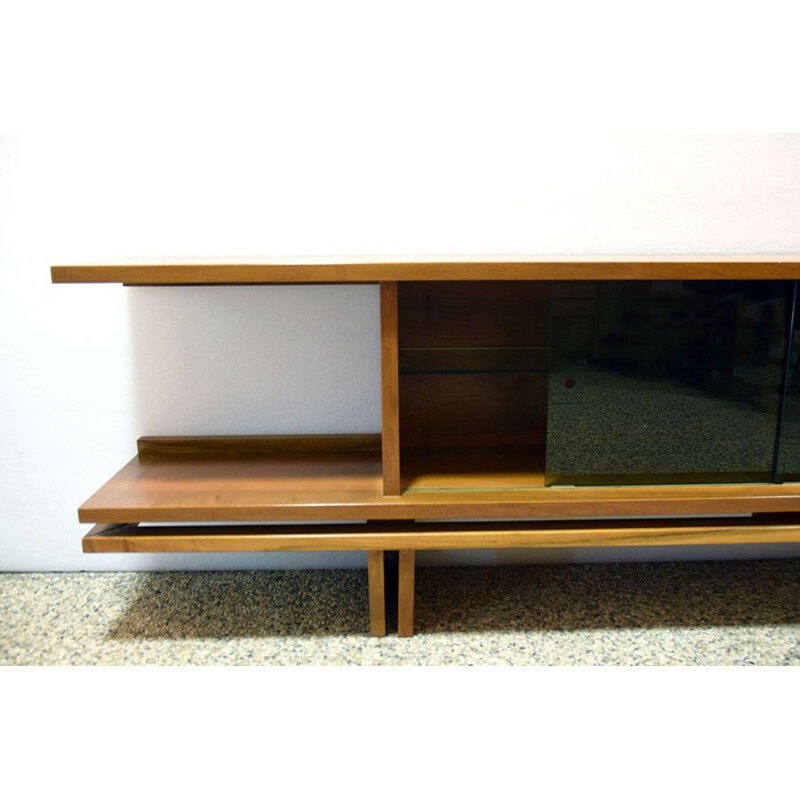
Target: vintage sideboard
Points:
(565, 401)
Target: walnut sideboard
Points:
(583, 401)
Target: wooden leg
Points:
(377, 596)
(405, 594)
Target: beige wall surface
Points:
(87, 369)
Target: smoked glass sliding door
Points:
(665, 382)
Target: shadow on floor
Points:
(179, 605)
(194, 605)
(609, 596)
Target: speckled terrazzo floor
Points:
(736, 612)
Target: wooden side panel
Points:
(390, 390)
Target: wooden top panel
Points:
(348, 486)
(373, 269)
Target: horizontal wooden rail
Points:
(438, 536)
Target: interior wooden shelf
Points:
(192, 480)
(371, 269)
(473, 468)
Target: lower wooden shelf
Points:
(264, 479)
(473, 468)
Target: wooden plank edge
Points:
(201, 539)
(574, 268)
(562, 506)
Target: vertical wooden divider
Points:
(390, 389)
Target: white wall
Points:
(87, 369)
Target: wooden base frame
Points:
(375, 538)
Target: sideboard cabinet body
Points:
(541, 391)
(595, 383)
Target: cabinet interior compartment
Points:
(473, 387)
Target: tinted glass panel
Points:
(665, 381)
(788, 463)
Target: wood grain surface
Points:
(348, 485)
